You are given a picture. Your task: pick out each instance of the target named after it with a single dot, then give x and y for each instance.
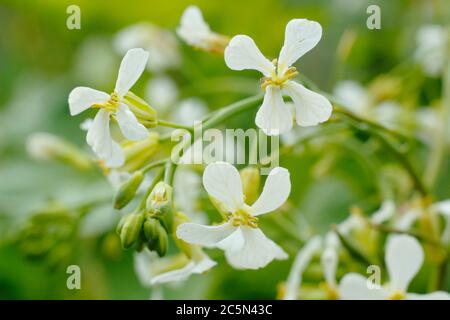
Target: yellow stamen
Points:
(111, 105)
(243, 218)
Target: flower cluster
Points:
(181, 210)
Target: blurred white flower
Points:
(358, 100)
(301, 261)
(161, 45)
(431, 51)
(427, 119)
(163, 92)
(245, 245)
(274, 117)
(353, 96)
(404, 258)
(99, 136)
(190, 110)
(196, 32)
(152, 270)
(186, 186)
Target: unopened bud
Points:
(128, 190)
(139, 153)
(156, 236)
(159, 202)
(142, 110)
(46, 146)
(131, 229)
(250, 178)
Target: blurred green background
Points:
(41, 61)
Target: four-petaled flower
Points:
(245, 245)
(404, 257)
(112, 105)
(274, 117)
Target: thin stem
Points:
(399, 156)
(169, 172)
(437, 152)
(174, 125)
(155, 164)
(231, 110)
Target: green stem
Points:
(155, 164)
(231, 110)
(174, 125)
(437, 153)
(169, 172)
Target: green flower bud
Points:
(156, 236)
(127, 190)
(131, 229)
(151, 229)
(139, 153)
(141, 109)
(250, 178)
(163, 243)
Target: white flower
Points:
(161, 45)
(404, 257)
(301, 261)
(163, 92)
(190, 110)
(196, 32)
(353, 96)
(245, 245)
(431, 48)
(186, 187)
(274, 117)
(384, 213)
(152, 270)
(99, 136)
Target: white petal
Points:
(223, 182)
(438, 295)
(329, 261)
(301, 35)
(193, 29)
(257, 251)
(234, 242)
(275, 192)
(142, 266)
(242, 53)
(131, 68)
(384, 213)
(193, 267)
(301, 261)
(99, 139)
(442, 207)
(81, 98)
(162, 91)
(174, 275)
(404, 257)
(274, 117)
(129, 125)
(311, 108)
(354, 286)
(208, 236)
(117, 157)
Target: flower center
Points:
(243, 217)
(397, 295)
(111, 105)
(278, 79)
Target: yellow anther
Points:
(243, 218)
(277, 80)
(111, 105)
